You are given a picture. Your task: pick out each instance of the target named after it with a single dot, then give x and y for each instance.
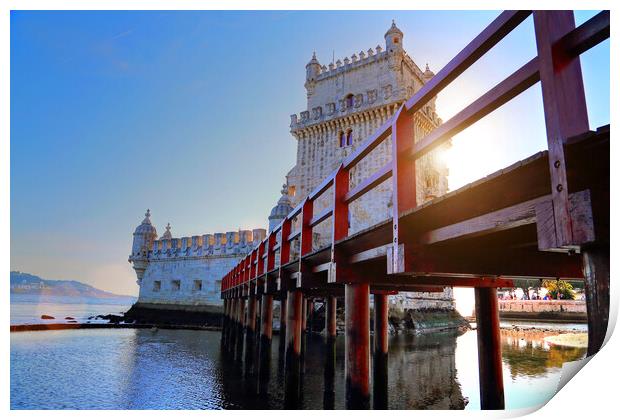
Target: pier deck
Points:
(546, 216)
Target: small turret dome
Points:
(146, 227)
(313, 68)
(281, 210)
(313, 60)
(428, 74)
(167, 234)
(393, 30)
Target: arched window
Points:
(349, 100)
(349, 140)
(342, 138)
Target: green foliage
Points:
(556, 287)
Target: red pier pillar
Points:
(293, 348)
(489, 349)
(357, 345)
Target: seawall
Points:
(543, 310)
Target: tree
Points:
(559, 288)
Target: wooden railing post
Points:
(403, 187)
(338, 267)
(565, 110)
(293, 348)
(305, 241)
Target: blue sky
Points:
(187, 113)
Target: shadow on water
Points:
(176, 369)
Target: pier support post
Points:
(596, 274)
(293, 348)
(330, 317)
(282, 333)
(329, 374)
(310, 312)
(357, 345)
(225, 321)
(304, 315)
(380, 360)
(489, 349)
(266, 331)
(250, 334)
(230, 343)
(240, 328)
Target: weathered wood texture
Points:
(596, 273)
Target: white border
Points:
(591, 393)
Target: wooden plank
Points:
(293, 235)
(580, 210)
(369, 145)
(401, 282)
(507, 218)
(322, 216)
(587, 35)
(321, 188)
(513, 85)
(565, 109)
(384, 173)
(489, 37)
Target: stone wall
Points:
(198, 280)
(574, 310)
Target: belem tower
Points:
(346, 102)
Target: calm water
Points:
(178, 369)
(28, 310)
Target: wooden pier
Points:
(544, 217)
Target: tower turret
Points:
(143, 238)
(313, 68)
(281, 210)
(428, 74)
(393, 39)
(167, 234)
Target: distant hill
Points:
(24, 284)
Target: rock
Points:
(47, 317)
(73, 320)
(69, 317)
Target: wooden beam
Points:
(503, 92)
(482, 43)
(322, 216)
(384, 173)
(586, 36)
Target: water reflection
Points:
(534, 358)
(145, 369)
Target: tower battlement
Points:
(211, 244)
(364, 82)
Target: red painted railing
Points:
(556, 67)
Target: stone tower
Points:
(346, 102)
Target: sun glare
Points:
(473, 155)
